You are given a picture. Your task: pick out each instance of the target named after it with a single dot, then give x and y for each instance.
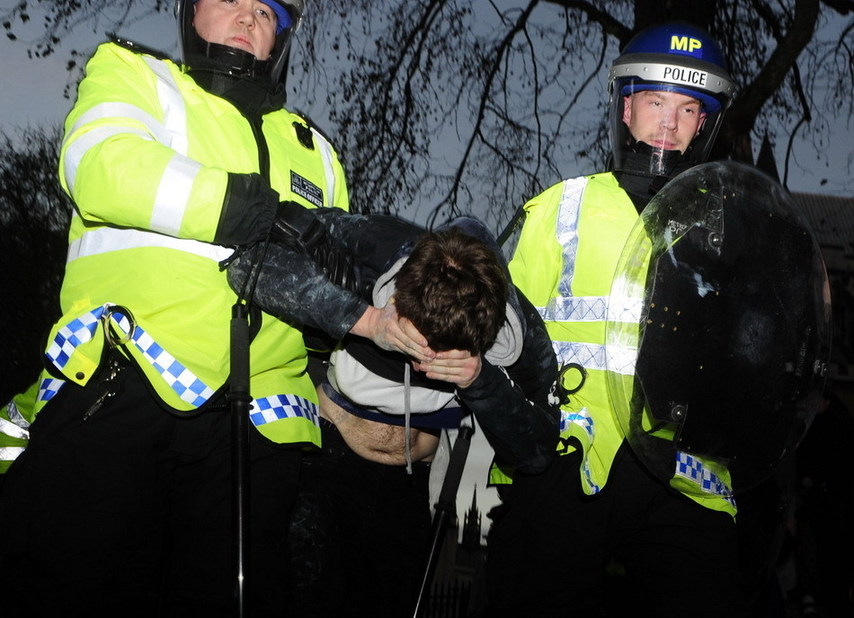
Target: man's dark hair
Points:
(454, 290)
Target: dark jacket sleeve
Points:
(516, 406)
(291, 287)
(373, 243)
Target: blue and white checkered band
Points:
(691, 468)
(188, 387)
(274, 408)
(49, 387)
(73, 334)
(588, 474)
(581, 418)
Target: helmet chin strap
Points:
(636, 175)
(227, 60)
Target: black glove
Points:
(298, 227)
(248, 210)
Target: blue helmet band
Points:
(283, 18)
(700, 81)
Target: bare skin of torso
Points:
(377, 442)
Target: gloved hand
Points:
(248, 210)
(298, 227)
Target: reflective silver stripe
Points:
(76, 149)
(107, 239)
(12, 430)
(596, 357)
(123, 111)
(576, 309)
(326, 155)
(697, 79)
(173, 194)
(592, 309)
(172, 104)
(15, 415)
(567, 229)
(10, 453)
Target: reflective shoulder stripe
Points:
(327, 157)
(107, 239)
(172, 104)
(10, 453)
(567, 229)
(176, 182)
(276, 407)
(15, 415)
(75, 150)
(173, 194)
(123, 111)
(12, 430)
(171, 132)
(692, 468)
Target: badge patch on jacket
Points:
(306, 189)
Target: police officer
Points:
(555, 534)
(121, 501)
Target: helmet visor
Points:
(657, 127)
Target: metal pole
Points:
(444, 511)
(239, 400)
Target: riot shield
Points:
(731, 338)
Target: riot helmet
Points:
(675, 58)
(200, 54)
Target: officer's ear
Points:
(627, 109)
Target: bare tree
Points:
(474, 105)
(34, 215)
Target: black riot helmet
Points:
(673, 57)
(200, 54)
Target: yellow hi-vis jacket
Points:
(565, 261)
(145, 157)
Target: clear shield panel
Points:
(718, 330)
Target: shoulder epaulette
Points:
(311, 124)
(137, 47)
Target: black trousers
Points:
(550, 549)
(359, 535)
(129, 513)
